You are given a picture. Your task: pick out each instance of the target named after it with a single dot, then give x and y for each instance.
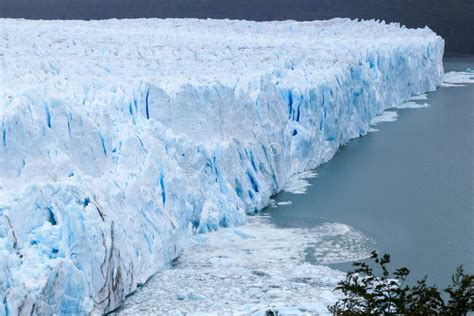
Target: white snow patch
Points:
(252, 268)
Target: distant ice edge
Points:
(100, 187)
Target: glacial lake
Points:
(409, 187)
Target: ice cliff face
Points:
(118, 139)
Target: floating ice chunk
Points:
(373, 130)
(412, 105)
(458, 78)
(420, 97)
(386, 116)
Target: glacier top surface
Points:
(74, 56)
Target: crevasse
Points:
(120, 138)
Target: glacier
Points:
(120, 139)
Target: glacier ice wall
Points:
(121, 138)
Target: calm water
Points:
(409, 187)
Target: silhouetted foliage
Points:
(367, 293)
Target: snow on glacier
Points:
(120, 139)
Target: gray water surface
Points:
(409, 187)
